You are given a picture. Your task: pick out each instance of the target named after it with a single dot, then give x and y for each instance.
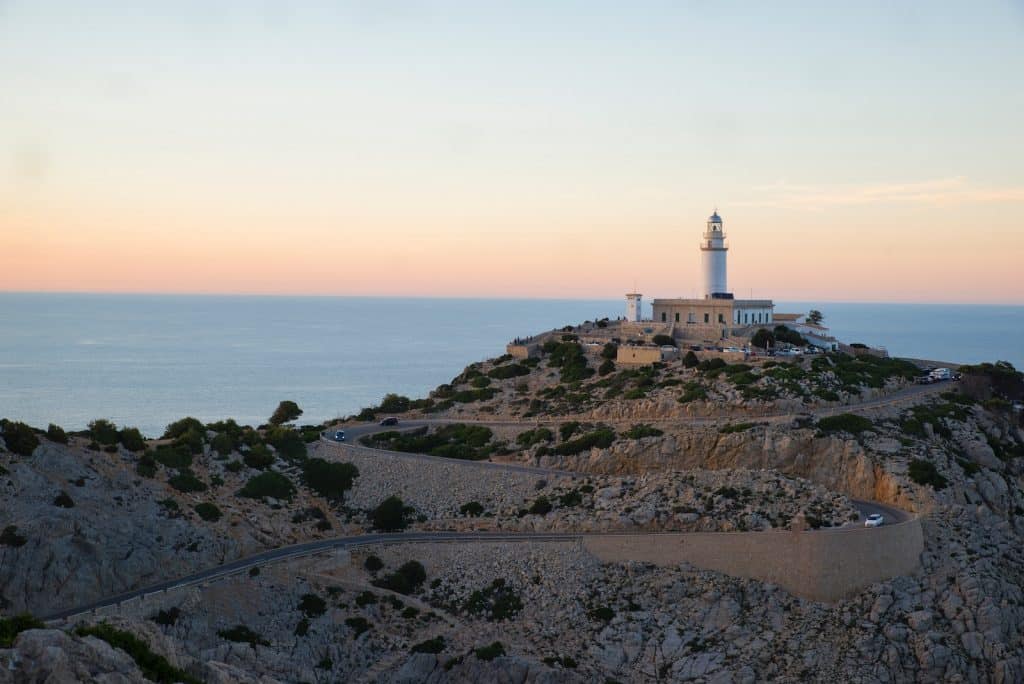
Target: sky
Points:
(866, 151)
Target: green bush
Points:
(490, 652)
(132, 439)
(537, 435)
(180, 427)
(55, 433)
(610, 351)
(173, 456)
(167, 618)
(789, 336)
(289, 444)
(693, 391)
(569, 357)
(467, 442)
(358, 625)
(285, 412)
(607, 367)
(329, 480)
(186, 481)
(233, 466)
(391, 515)
(711, 366)
(513, 370)
(664, 340)
(690, 360)
(435, 645)
(762, 339)
(540, 506)
(269, 484)
(640, 431)
(243, 635)
(925, 473)
(224, 444)
(473, 509)
(567, 430)
(481, 382)
(146, 467)
(19, 437)
(845, 422)
(601, 438)
(154, 667)
(13, 626)
(373, 563)
(602, 614)
(736, 427)
(366, 598)
(103, 432)
(208, 512)
(10, 537)
(406, 580)
(63, 501)
(302, 628)
(312, 605)
(259, 457)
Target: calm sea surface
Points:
(147, 360)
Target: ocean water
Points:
(145, 360)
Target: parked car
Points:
(924, 380)
(942, 374)
(390, 420)
(339, 436)
(874, 520)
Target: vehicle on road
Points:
(874, 520)
(942, 374)
(924, 380)
(390, 420)
(339, 436)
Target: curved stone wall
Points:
(822, 565)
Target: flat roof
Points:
(741, 303)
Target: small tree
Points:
(104, 432)
(762, 338)
(815, 317)
(55, 433)
(390, 515)
(610, 351)
(132, 439)
(286, 411)
(690, 360)
(19, 438)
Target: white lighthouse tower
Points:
(712, 258)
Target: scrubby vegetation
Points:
(244, 635)
(924, 473)
(10, 537)
(601, 438)
(845, 422)
(55, 433)
(329, 480)
(208, 511)
(11, 627)
(469, 442)
(391, 515)
(154, 667)
(496, 602)
(640, 431)
(19, 437)
(285, 412)
(268, 485)
(406, 580)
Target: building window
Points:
(690, 318)
(662, 316)
(746, 318)
(721, 318)
(707, 318)
(677, 317)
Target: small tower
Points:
(712, 258)
(633, 306)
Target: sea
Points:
(146, 360)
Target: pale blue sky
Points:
(555, 113)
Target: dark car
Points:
(389, 421)
(339, 436)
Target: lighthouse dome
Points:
(715, 218)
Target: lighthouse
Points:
(712, 257)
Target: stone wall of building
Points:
(822, 565)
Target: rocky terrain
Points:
(536, 611)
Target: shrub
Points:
(762, 338)
(170, 505)
(600, 438)
(312, 605)
(788, 335)
(223, 444)
(358, 625)
(435, 645)
(690, 360)
(146, 467)
(243, 635)
(482, 381)
(473, 509)
(208, 512)
(55, 433)
(285, 412)
(329, 480)
(490, 652)
(924, 473)
(268, 484)
(366, 598)
(186, 481)
(154, 667)
(302, 628)
(391, 515)
(173, 456)
(693, 391)
(10, 537)
(845, 422)
(179, 427)
(640, 431)
(325, 663)
(540, 506)
(259, 457)
(569, 357)
(602, 613)
(570, 499)
(406, 580)
(19, 438)
(607, 366)
(711, 365)
(664, 340)
(103, 432)
(289, 444)
(513, 370)
(610, 351)
(736, 427)
(373, 563)
(535, 436)
(132, 439)
(63, 501)
(167, 617)
(233, 466)
(567, 430)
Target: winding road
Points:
(354, 432)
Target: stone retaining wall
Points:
(818, 565)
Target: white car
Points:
(874, 520)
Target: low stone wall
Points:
(823, 565)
